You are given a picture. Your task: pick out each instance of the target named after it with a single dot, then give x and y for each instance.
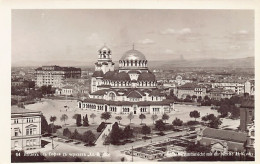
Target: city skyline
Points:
(49, 35)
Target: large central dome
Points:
(133, 55)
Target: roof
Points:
(121, 76)
(57, 68)
(100, 92)
(18, 110)
(134, 71)
(68, 87)
(248, 103)
(224, 135)
(134, 94)
(188, 86)
(104, 48)
(109, 75)
(156, 92)
(98, 74)
(133, 55)
(146, 76)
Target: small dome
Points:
(122, 76)
(109, 75)
(146, 76)
(133, 55)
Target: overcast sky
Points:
(77, 35)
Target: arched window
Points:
(111, 96)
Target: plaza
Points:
(69, 107)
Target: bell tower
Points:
(104, 62)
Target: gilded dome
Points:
(133, 55)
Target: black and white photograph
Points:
(132, 85)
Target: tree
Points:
(116, 134)
(194, 114)
(215, 123)
(78, 120)
(177, 122)
(199, 99)
(118, 118)
(160, 125)
(67, 133)
(85, 121)
(44, 125)
(146, 130)
(52, 119)
(105, 116)
(75, 116)
(165, 117)
(194, 97)
(63, 118)
(92, 116)
(212, 121)
(75, 135)
(89, 137)
(128, 132)
(142, 116)
(154, 117)
(130, 117)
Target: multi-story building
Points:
(130, 89)
(247, 109)
(25, 129)
(237, 87)
(223, 141)
(190, 89)
(55, 75)
(220, 93)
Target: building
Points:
(250, 87)
(223, 141)
(220, 93)
(131, 88)
(237, 87)
(247, 113)
(25, 129)
(191, 89)
(55, 75)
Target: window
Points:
(16, 132)
(16, 144)
(112, 96)
(29, 131)
(16, 121)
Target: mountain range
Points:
(248, 62)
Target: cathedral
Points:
(130, 89)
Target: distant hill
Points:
(248, 62)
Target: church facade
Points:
(130, 88)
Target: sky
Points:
(67, 34)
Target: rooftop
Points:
(18, 110)
(225, 135)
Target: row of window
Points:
(29, 131)
(143, 110)
(16, 121)
(100, 107)
(89, 106)
(113, 109)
